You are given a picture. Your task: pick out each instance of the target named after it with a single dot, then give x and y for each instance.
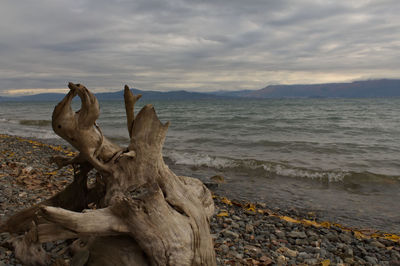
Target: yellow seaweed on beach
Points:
(326, 224)
(223, 214)
(226, 201)
(310, 223)
(326, 262)
(359, 235)
(392, 237)
(289, 219)
(250, 207)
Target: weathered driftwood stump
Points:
(144, 214)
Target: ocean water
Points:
(337, 157)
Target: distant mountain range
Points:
(119, 95)
(358, 89)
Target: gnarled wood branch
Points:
(159, 218)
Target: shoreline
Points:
(244, 233)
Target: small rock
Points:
(377, 244)
(281, 260)
(249, 228)
(218, 179)
(371, 260)
(235, 225)
(362, 249)
(252, 249)
(288, 252)
(332, 237)
(241, 224)
(262, 205)
(22, 194)
(224, 248)
(345, 238)
(27, 170)
(348, 252)
(250, 212)
(311, 261)
(228, 220)
(279, 233)
(297, 234)
(311, 233)
(235, 217)
(304, 255)
(239, 256)
(265, 260)
(229, 233)
(301, 242)
(322, 252)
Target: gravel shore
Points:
(244, 233)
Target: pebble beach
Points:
(244, 233)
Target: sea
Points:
(337, 158)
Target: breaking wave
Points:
(271, 169)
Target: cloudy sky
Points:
(196, 45)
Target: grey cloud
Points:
(190, 44)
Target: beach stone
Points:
(332, 237)
(250, 212)
(288, 252)
(235, 225)
(394, 263)
(224, 248)
(322, 252)
(324, 231)
(266, 260)
(348, 252)
(337, 229)
(281, 260)
(249, 228)
(362, 249)
(219, 179)
(371, 260)
(241, 224)
(297, 234)
(262, 204)
(229, 233)
(304, 255)
(394, 254)
(311, 233)
(239, 256)
(345, 238)
(252, 249)
(301, 242)
(311, 261)
(228, 220)
(280, 234)
(235, 217)
(378, 244)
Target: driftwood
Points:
(144, 214)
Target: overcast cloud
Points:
(195, 45)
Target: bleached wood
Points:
(161, 218)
